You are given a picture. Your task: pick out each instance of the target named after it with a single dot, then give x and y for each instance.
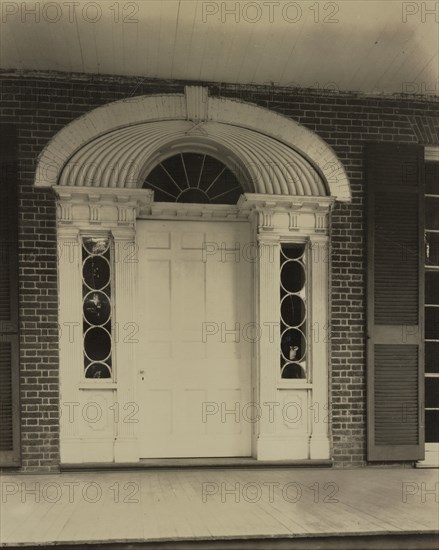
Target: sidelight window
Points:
(293, 317)
(97, 307)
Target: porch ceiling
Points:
(370, 46)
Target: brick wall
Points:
(40, 105)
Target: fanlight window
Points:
(193, 178)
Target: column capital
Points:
(124, 233)
(268, 239)
(68, 232)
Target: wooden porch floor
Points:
(216, 504)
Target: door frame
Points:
(274, 220)
(286, 168)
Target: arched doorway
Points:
(202, 312)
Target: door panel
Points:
(193, 304)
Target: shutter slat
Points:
(396, 388)
(9, 367)
(396, 269)
(6, 407)
(395, 297)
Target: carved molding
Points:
(284, 214)
(264, 165)
(65, 212)
(95, 210)
(104, 207)
(110, 208)
(294, 220)
(197, 98)
(78, 154)
(321, 221)
(171, 211)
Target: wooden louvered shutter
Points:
(9, 360)
(395, 302)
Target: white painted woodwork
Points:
(136, 419)
(431, 153)
(318, 345)
(431, 459)
(261, 163)
(70, 341)
(268, 300)
(163, 290)
(353, 45)
(118, 144)
(94, 413)
(125, 342)
(194, 295)
(295, 421)
(96, 423)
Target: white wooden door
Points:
(194, 288)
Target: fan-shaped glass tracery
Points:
(194, 178)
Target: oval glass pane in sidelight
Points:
(292, 310)
(292, 276)
(97, 344)
(96, 308)
(293, 344)
(96, 272)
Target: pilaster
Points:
(319, 339)
(70, 339)
(293, 423)
(126, 329)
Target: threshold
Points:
(195, 463)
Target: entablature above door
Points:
(93, 208)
